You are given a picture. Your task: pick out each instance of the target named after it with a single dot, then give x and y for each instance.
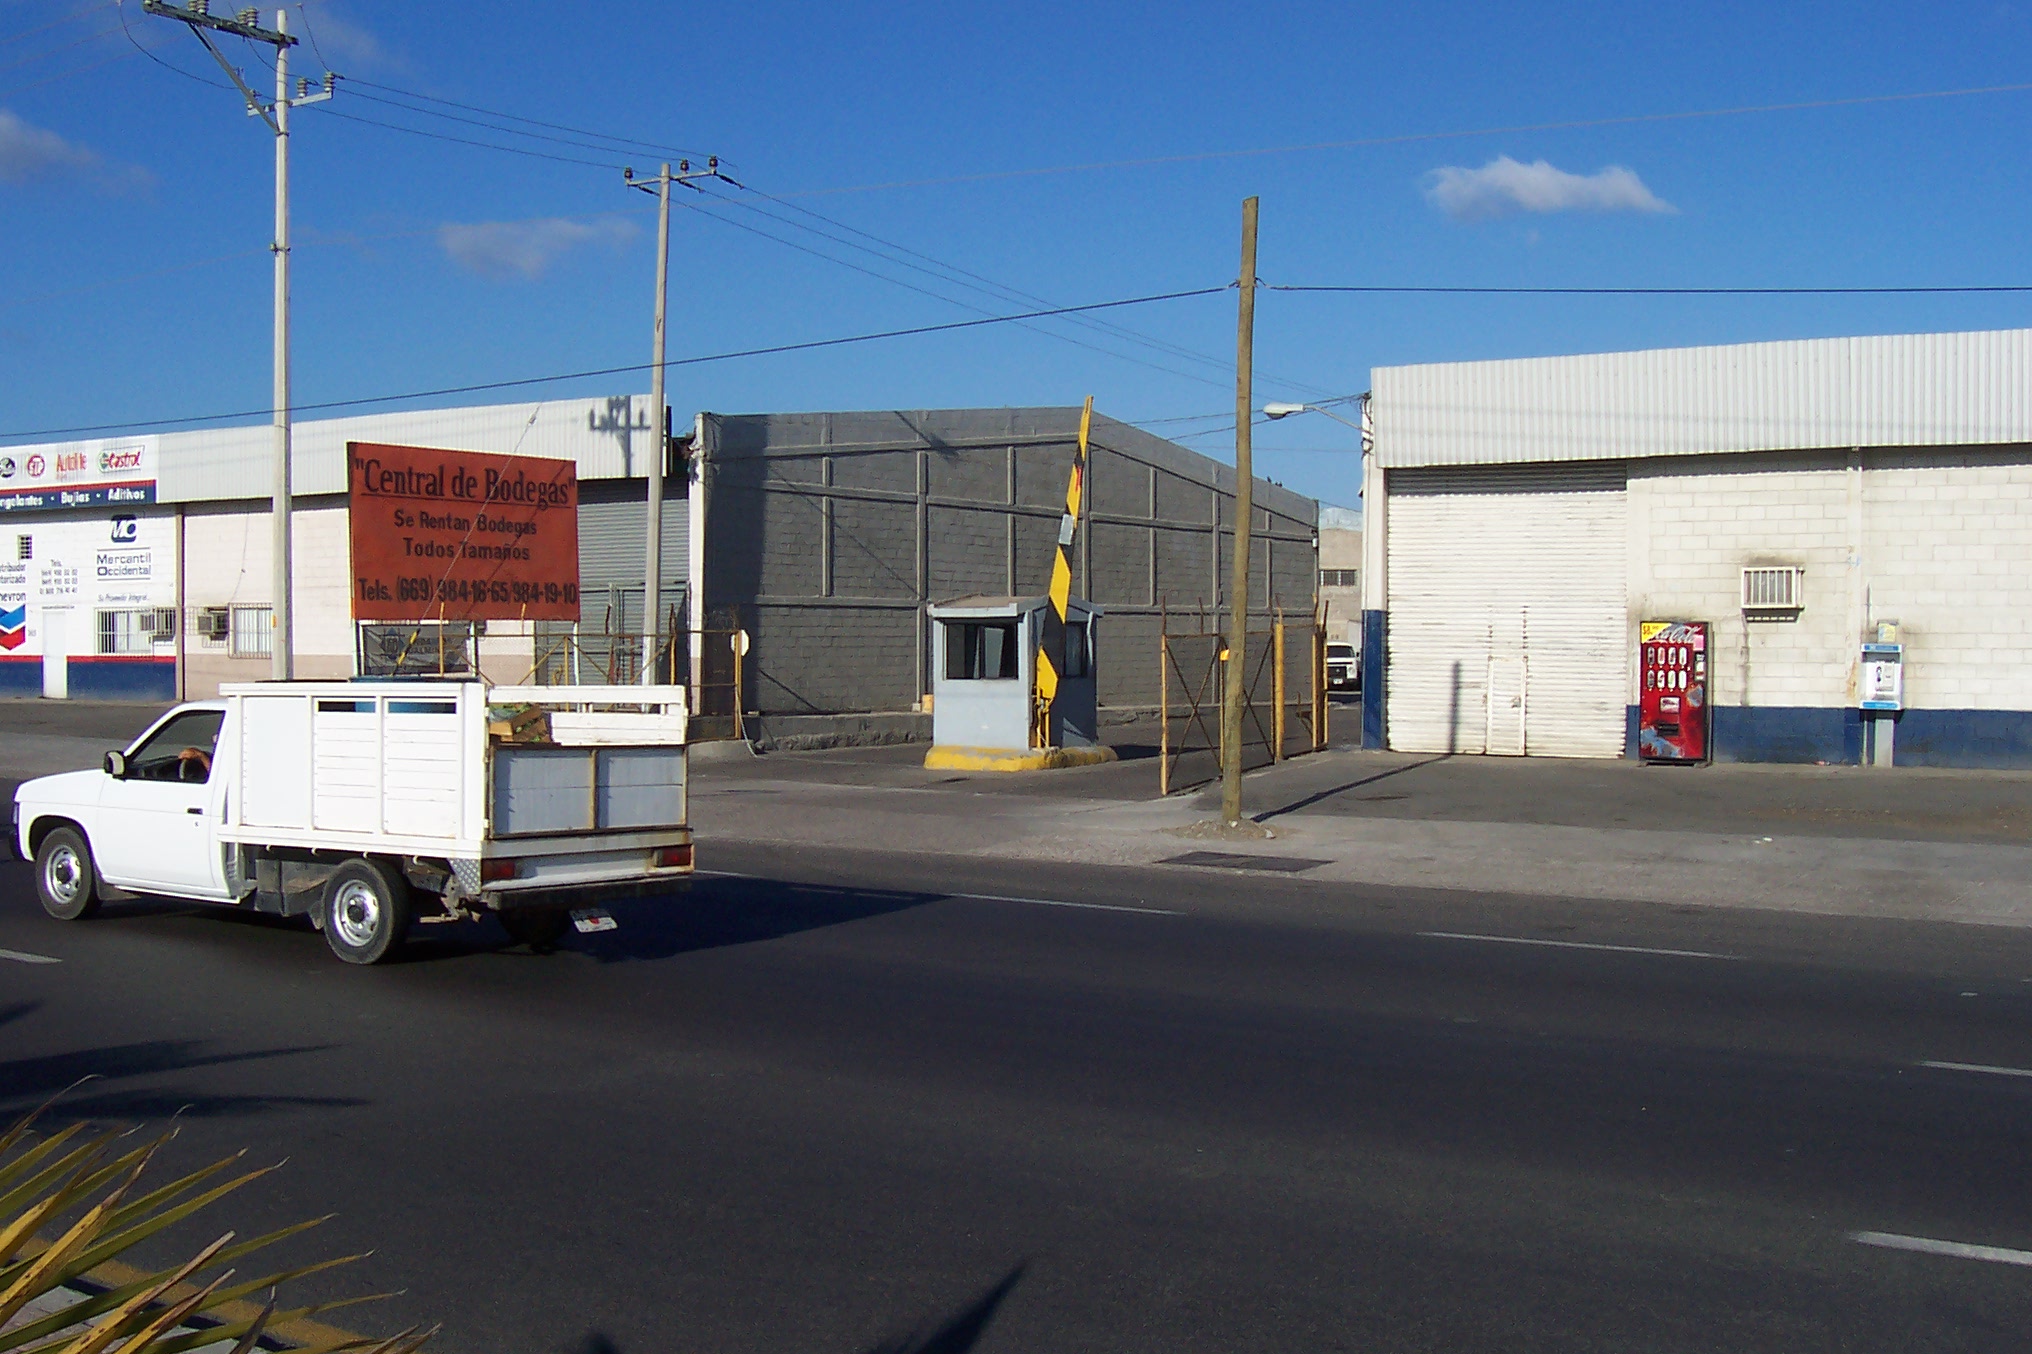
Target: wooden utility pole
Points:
(1234, 695)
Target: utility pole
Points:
(1245, 522)
(198, 18)
(659, 413)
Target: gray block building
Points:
(139, 565)
(828, 536)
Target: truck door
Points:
(155, 828)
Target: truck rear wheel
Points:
(65, 878)
(366, 912)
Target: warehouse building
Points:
(139, 567)
(1527, 519)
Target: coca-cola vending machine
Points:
(1672, 714)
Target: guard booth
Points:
(984, 678)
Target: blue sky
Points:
(135, 202)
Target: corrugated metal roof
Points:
(1897, 390)
(607, 435)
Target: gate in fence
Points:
(1284, 713)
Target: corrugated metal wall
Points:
(608, 436)
(1508, 610)
(1891, 391)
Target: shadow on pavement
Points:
(959, 1332)
(718, 912)
(1331, 791)
(26, 1082)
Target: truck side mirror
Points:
(116, 765)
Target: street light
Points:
(1277, 411)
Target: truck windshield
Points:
(179, 750)
(1340, 651)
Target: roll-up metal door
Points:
(1508, 609)
(612, 519)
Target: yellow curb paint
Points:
(941, 758)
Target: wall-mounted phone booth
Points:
(984, 673)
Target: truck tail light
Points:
(674, 857)
(494, 871)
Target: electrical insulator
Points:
(684, 166)
(712, 162)
(247, 17)
(201, 7)
(302, 88)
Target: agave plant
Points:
(82, 1185)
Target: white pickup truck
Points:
(370, 805)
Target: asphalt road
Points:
(840, 1106)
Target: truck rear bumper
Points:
(588, 895)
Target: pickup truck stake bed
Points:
(369, 805)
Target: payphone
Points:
(1672, 710)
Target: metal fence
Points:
(573, 654)
(1284, 713)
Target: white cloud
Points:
(31, 152)
(351, 47)
(1503, 186)
(526, 248)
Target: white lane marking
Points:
(1960, 1250)
(1980, 1067)
(22, 957)
(1060, 902)
(1575, 945)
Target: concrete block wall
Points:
(1937, 539)
(832, 532)
(1697, 523)
(226, 563)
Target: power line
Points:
(956, 275)
(1412, 138)
(620, 142)
(468, 141)
(76, 14)
(1653, 291)
(769, 351)
(939, 296)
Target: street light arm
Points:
(1286, 410)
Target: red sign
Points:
(461, 535)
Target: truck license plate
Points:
(591, 919)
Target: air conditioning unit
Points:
(1773, 588)
(159, 623)
(215, 623)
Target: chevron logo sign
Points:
(13, 627)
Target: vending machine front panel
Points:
(1672, 710)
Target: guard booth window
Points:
(980, 651)
(1078, 657)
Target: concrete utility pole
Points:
(659, 413)
(198, 19)
(1235, 694)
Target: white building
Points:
(1524, 518)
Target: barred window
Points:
(24, 547)
(135, 632)
(1340, 578)
(253, 631)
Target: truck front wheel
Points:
(65, 877)
(366, 912)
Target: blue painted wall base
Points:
(1980, 739)
(1375, 666)
(20, 676)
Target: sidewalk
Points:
(1947, 845)
(1842, 841)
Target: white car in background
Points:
(1343, 667)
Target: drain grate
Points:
(1232, 860)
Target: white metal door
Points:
(1508, 610)
(154, 829)
(56, 654)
